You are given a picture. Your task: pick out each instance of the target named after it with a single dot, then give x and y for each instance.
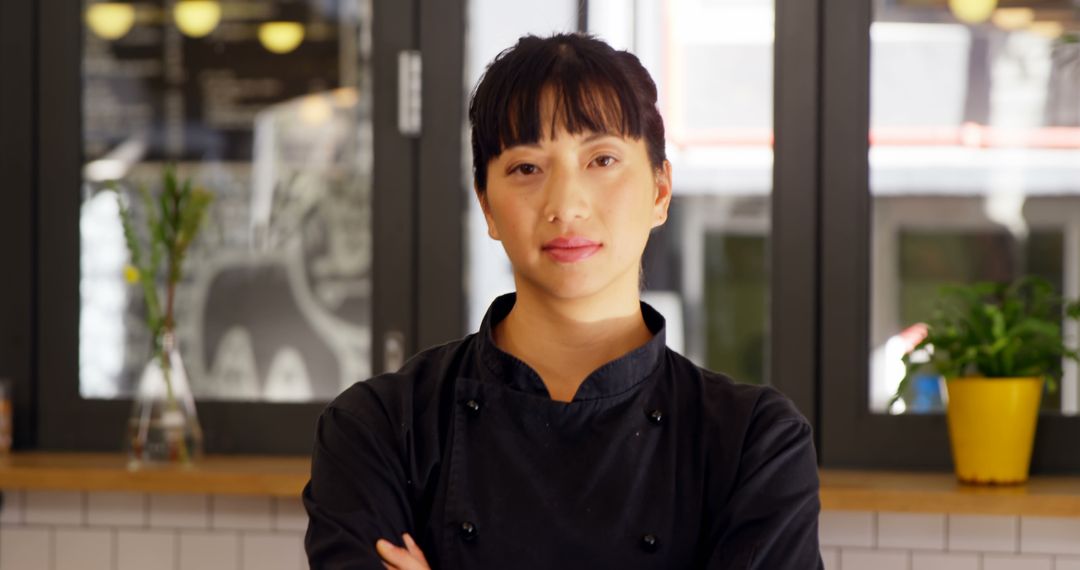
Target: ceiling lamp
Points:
(972, 11)
(110, 20)
(281, 37)
(197, 18)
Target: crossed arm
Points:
(357, 501)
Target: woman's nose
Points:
(567, 197)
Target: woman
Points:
(564, 433)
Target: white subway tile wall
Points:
(179, 511)
(831, 557)
(135, 531)
(146, 550)
(53, 507)
(11, 507)
(209, 550)
(241, 512)
(84, 549)
(944, 561)
(117, 509)
(984, 533)
(846, 528)
(1049, 535)
(29, 548)
(289, 514)
(1017, 562)
(874, 559)
(909, 530)
(265, 551)
(860, 540)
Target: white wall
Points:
(852, 540)
(67, 530)
(137, 531)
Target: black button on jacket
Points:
(656, 463)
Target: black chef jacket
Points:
(656, 463)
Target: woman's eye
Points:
(524, 168)
(604, 161)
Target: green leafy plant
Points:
(995, 330)
(172, 220)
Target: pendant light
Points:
(285, 32)
(281, 37)
(972, 11)
(110, 20)
(197, 18)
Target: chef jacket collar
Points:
(613, 378)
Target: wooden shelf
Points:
(942, 493)
(219, 475)
(286, 476)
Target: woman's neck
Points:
(565, 340)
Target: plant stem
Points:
(171, 404)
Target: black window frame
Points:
(417, 243)
(18, 282)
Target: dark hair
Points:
(596, 88)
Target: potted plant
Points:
(996, 346)
(163, 426)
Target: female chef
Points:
(564, 433)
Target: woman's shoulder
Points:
(722, 397)
(401, 391)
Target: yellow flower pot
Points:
(992, 427)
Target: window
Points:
(971, 174)
(305, 278)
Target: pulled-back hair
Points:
(595, 87)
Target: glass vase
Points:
(164, 427)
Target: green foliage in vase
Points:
(995, 330)
(173, 219)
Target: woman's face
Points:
(574, 211)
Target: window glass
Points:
(267, 105)
(974, 168)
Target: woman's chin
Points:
(572, 287)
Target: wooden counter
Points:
(221, 475)
(941, 493)
(286, 476)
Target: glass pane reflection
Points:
(975, 170)
(276, 301)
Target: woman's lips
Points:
(571, 249)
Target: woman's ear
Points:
(481, 196)
(663, 194)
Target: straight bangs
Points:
(581, 96)
(572, 81)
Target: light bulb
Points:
(281, 37)
(972, 11)
(110, 20)
(197, 18)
